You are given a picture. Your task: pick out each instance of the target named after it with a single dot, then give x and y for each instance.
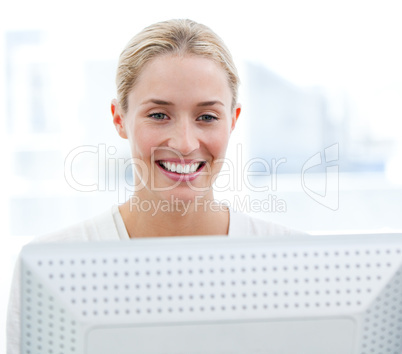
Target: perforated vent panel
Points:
(382, 324)
(47, 326)
(66, 290)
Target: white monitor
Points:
(307, 294)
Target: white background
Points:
(347, 48)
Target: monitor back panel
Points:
(214, 295)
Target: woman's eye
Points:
(206, 118)
(158, 116)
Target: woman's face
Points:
(178, 123)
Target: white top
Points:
(110, 226)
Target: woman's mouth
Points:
(180, 168)
(181, 171)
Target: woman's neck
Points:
(160, 218)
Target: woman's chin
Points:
(183, 196)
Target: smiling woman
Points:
(177, 106)
(180, 135)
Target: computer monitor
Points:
(289, 295)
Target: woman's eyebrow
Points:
(209, 103)
(156, 101)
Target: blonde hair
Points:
(177, 37)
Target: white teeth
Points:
(183, 169)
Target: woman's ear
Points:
(118, 119)
(235, 116)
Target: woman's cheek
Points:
(145, 139)
(219, 140)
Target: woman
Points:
(177, 106)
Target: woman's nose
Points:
(184, 138)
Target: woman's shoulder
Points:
(100, 227)
(242, 224)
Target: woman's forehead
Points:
(173, 79)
